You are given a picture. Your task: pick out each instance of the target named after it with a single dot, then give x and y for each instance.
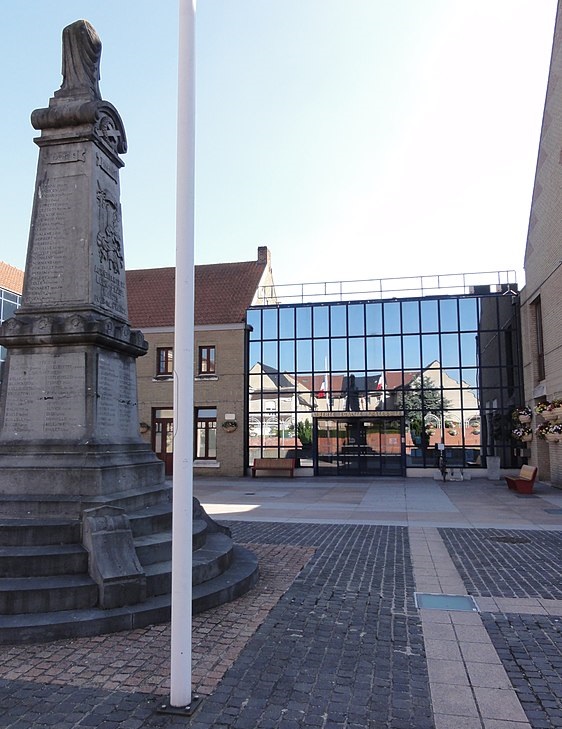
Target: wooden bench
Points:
(523, 483)
(274, 464)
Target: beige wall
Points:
(543, 269)
(225, 391)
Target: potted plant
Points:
(523, 415)
(522, 433)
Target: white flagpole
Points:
(182, 517)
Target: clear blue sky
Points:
(356, 138)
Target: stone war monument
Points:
(85, 511)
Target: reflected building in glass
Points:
(373, 387)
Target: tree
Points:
(304, 432)
(421, 398)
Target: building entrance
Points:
(356, 445)
(163, 437)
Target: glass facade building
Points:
(373, 387)
(9, 302)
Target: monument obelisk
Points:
(69, 424)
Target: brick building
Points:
(541, 298)
(223, 293)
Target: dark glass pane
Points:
(448, 315)
(392, 318)
(304, 322)
(356, 319)
(8, 308)
(412, 352)
(269, 323)
(450, 350)
(392, 352)
(374, 353)
(489, 349)
(338, 320)
(254, 320)
(374, 318)
(339, 354)
(429, 316)
(357, 354)
(320, 320)
(468, 313)
(304, 355)
(410, 317)
(287, 356)
(287, 323)
(270, 354)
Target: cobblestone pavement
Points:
(331, 636)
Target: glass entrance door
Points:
(359, 447)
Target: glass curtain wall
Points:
(450, 366)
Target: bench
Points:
(274, 464)
(523, 483)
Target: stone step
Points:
(208, 563)
(20, 532)
(43, 560)
(155, 518)
(153, 548)
(41, 594)
(48, 626)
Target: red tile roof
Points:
(223, 292)
(11, 278)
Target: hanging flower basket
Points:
(523, 433)
(541, 407)
(523, 415)
(541, 430)
(554, 433)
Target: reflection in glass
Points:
(304, 355)
(356, 319)
(321, 354)
(320, 320)
(270, 354)
(468, 313)
(429, 316)
(468, 350)
(254, 320)
(412, 352)
(304, 323)
(430, 349)
(338, 320)
(287, 323)
(374, 318)
(269, 323)
(450, 350)
(410, 317)
(448, 315)
(287, 356)
(392, 352)
(255, 353)
(374, 353)
(357, 354)
(392, 318)
(470, 376)
(339, 354)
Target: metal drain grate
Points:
(433, 601)
(510, 540)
